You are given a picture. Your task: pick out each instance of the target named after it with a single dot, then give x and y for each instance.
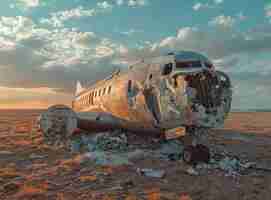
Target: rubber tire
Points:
(196, 154)
(189, 154)
(203, 153)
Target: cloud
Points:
(131, 32)
(56, 58)
(202, 6)
(53, 58)
(199, 6)
(33, 56)
(267, 9)
(223, 21)
(216, 43)
(16, 28)
(241, 16)
(104, 5)
(29, 3)
(119, 2)
(137, 3)
(57, 19)
(218, 1)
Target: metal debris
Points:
(107, 158)
(36, 156)
(106, 148)
(170, 150)
(11, 187)
(5, 153)
(229, 165)
(191, 171)
(151, 172)
(116, 143)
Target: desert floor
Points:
(30, 169)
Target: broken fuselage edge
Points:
(143, 95)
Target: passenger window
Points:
(129, 86)
(109, 89)
(167, 69)
(104, 91)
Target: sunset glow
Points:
(47, 45)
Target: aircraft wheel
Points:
(195, 154)
(203, 153)
(189, 154)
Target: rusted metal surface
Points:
(156, 95)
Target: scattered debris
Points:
(191, 171)
(113, 149)
(36, 156)
(88, 178)
(185, 197)
(248, 165)
(117, 142)
(107, 158)
(127, 184)
(151, 172)
(5, 153)
(231, 166)
(171, 150)
(12, 187)
(106, 148)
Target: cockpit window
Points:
(129, 86)
(188, 64)
(167, 69)
(208, 65)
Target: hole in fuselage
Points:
(152, 103)
(167, 69)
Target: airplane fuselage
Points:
(166, 92)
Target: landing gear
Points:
(189, 154)
(195, 151)
(195, 154)
(57, 125)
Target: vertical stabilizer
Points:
(79, 88)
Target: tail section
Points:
(79, 88)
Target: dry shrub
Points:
(36, 166)
(60, 196)
(153, 194)
(131, 197)
(108, 197)
(88, 178)
(22, 142)
(11, 188)
(33, 192)
(185, 197)
(232, 141)
(107, 170)
(8, 173)
(23, 127)
(68, 165)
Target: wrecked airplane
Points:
(176, 95)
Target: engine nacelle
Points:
(58, 124)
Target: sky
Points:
(46, 45)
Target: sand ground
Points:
(30, 169)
